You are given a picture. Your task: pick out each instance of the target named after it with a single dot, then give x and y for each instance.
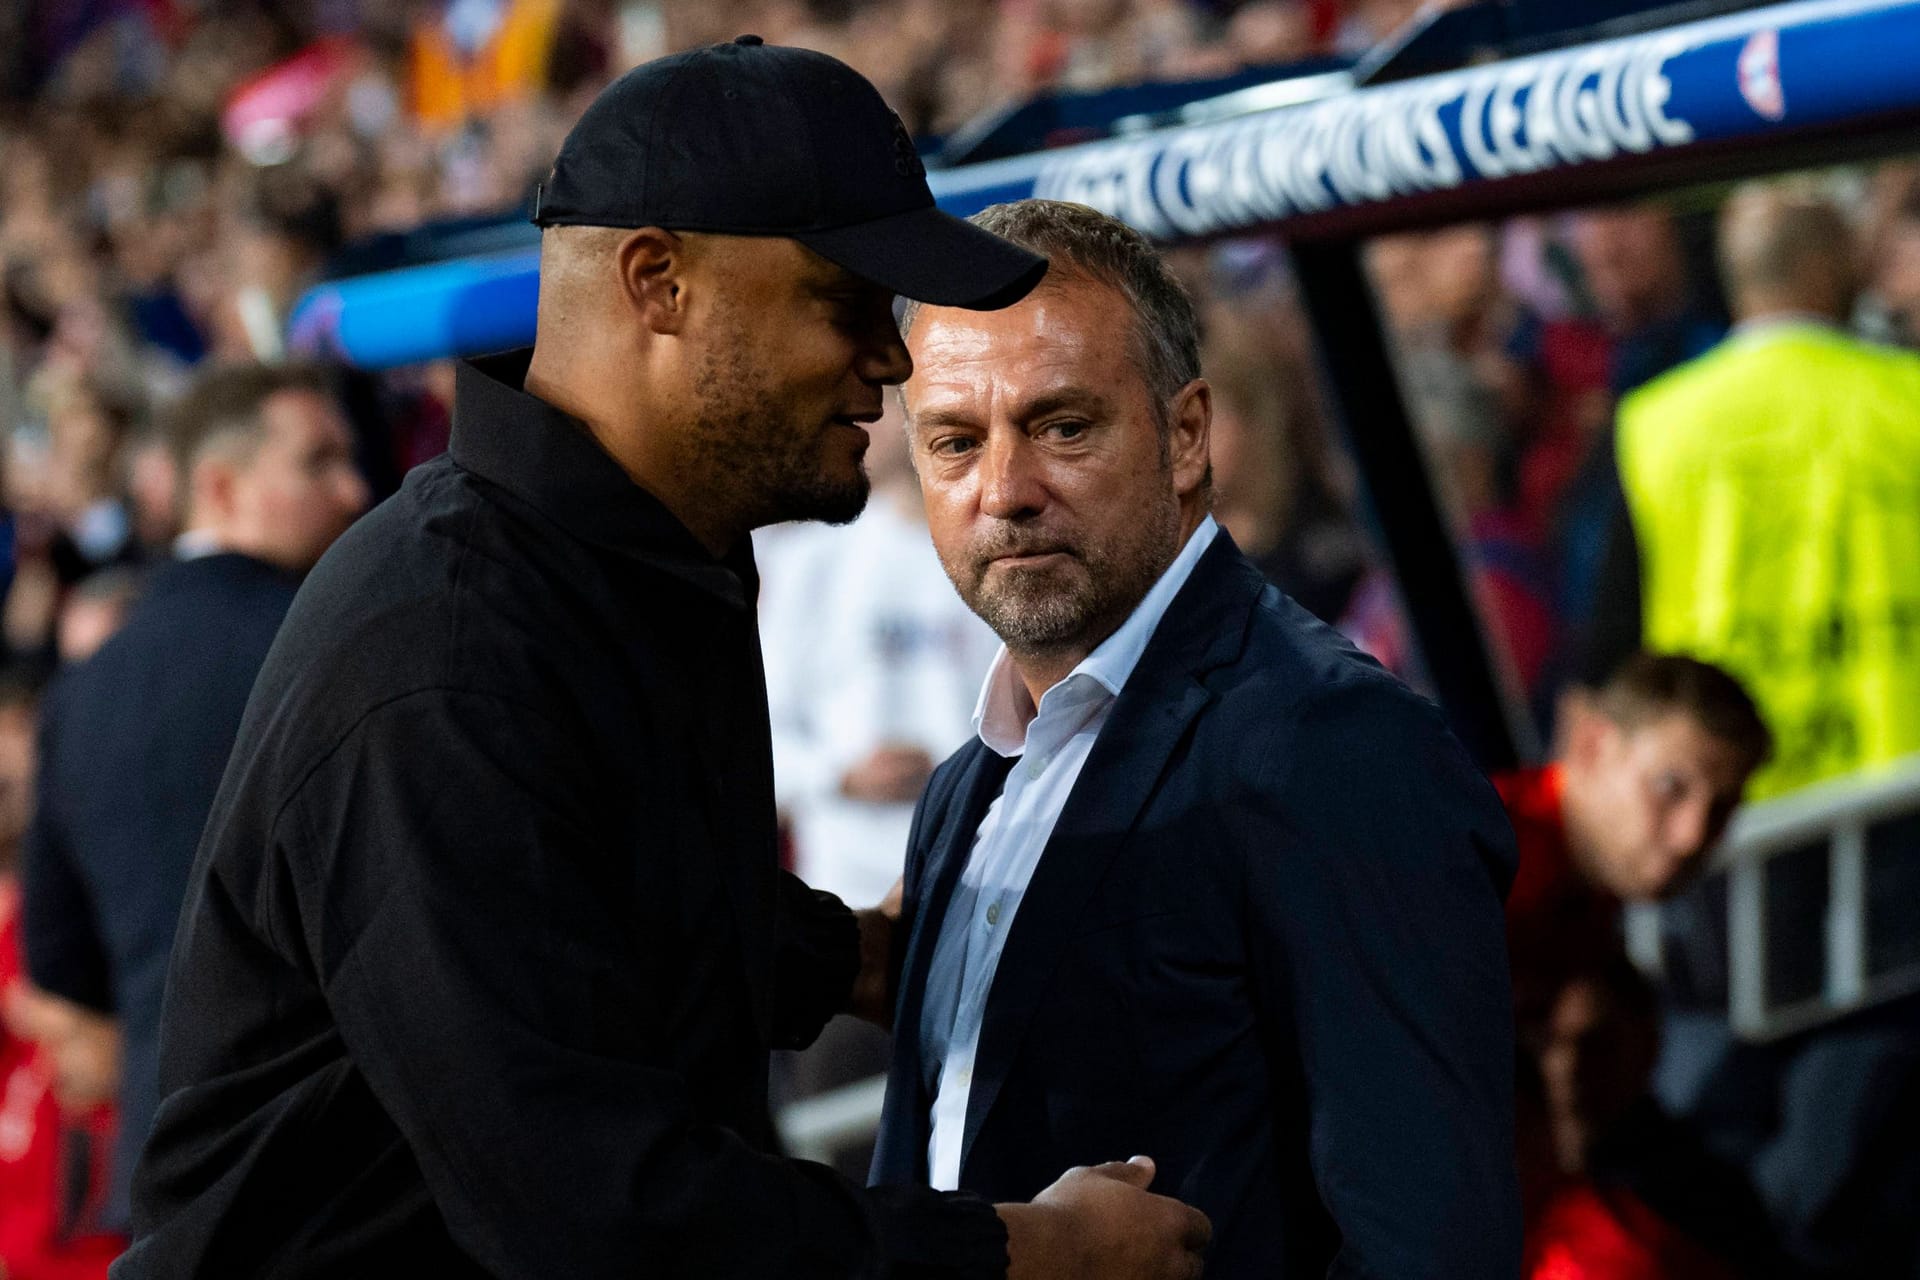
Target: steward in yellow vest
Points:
(1773, 486)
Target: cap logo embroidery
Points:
(906, 160)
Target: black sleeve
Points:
(453, 904)
(817, 961)
(1614, 630)
(1376, 871)
(64, 953)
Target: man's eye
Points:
(1067, 428)
(953, 446)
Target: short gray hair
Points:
(1080, 241)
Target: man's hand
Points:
(894, 774)
(1103, 1224)
(872, 998)
(82, 1046)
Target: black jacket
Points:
(486, 944)
(132, 745)
(1264, 945)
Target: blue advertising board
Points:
(1746, 77)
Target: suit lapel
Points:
(1203, 628)
(901, 1154)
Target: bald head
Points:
(1785, 251)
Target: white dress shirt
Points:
(1053, 741)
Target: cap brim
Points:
(933, 257)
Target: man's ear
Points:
(1189, 430)
(211, 486)
(653, 275)
(1584, 728)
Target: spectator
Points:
(1772, 495)
(873, 667)
(1637, 1198)
(1273, 483)
(1891, 305)
(1654, 766)
(47, 1114)
(136, 737)
(1642, 314)
(1771, 488)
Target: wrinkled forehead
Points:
(1065, 334)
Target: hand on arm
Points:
(894, 773)
(1103, 1224)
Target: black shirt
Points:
(133, 742)
(486, 943)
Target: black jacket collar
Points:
(550, 461)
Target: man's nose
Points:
(886, 361)
(1011, 484)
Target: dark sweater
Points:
(133, 743)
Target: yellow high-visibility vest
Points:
(1774, 488)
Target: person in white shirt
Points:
(873, 664)
(1208, 886)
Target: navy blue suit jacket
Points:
(132, 746)
(1264, 946)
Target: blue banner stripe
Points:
(1742, 76)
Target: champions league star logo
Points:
(1760, 75)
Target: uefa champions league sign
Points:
(1741, 79)
(1739, 76)
(1401, 140)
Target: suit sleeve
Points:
(1375, 887)
(61, 940)
(453, 905)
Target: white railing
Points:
(1841, 817)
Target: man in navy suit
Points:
(134, 740)
(1208, 886)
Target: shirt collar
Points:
(1782, 322)
(1004, 711)
(197, 543)
(548, 459)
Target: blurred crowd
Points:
(174, 174)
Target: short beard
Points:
(753, 457)
(1074, 606)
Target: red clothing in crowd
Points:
(34, 1134)
(1556, 921)
(1589, 1234)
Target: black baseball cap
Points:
(748, 138)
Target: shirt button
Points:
(993, 914)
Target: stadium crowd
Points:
(173, 175)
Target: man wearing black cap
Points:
(485, 945)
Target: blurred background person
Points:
(1772, 496)
(1631, 1195)
(1274, 487)
(58, 1064)
(1653, 767)
(873, 667)
(1772, 503)
(136, 737)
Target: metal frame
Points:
(1839, 815)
